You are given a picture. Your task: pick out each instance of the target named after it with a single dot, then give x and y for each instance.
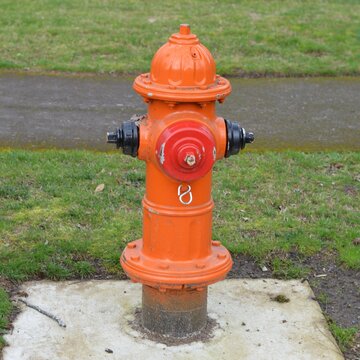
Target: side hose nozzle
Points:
(114, 137)
(237, 137)
(125, 137)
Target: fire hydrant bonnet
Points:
(183, 70)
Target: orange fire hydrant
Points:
(180, 139)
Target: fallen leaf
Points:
(350, 190)
(335, 166)
(100, 188)
(22, 294)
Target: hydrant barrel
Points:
(180, 139)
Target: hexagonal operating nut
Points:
(190, 159)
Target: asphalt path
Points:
(76, 112)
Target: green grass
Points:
(272, 206)
(344, 336)
(264, 37)
(53, 224)
(5, 310)
(286, 269)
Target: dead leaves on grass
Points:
(100, 188)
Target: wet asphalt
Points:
(76, 112)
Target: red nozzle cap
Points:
(186, 151)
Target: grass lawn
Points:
(53, 224)
(268, 205)
(249, 37)
(343, 336)
(5, 310)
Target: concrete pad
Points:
(251, 325)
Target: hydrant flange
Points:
(166, 274)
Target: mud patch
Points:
(280, 299)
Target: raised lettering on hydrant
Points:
(180, 139)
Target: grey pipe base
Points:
(175, 313)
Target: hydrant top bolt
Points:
(184, 29)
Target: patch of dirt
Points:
(350, 190)
(100, 272)
(204, 335)
(316, 53)
(338, 294)
(246, 267)
(281, 299)
(339, 286)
